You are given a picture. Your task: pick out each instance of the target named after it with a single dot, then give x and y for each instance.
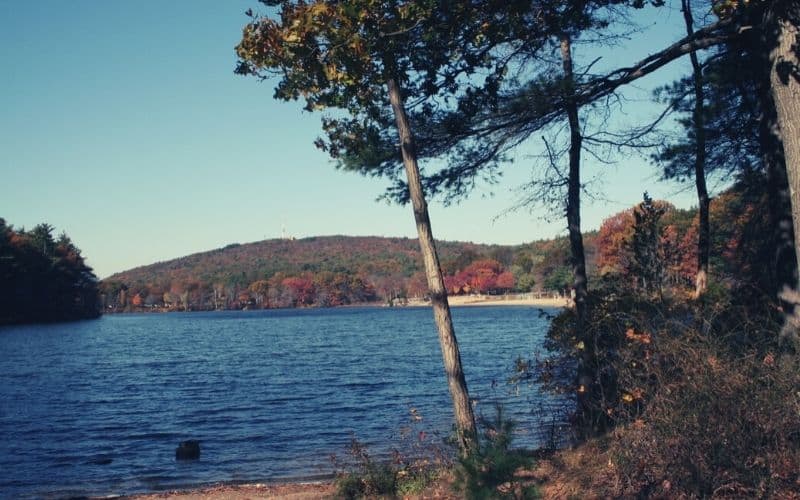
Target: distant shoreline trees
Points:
(327, 272)
(339, 271)
(42, 278)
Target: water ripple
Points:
(98, 407)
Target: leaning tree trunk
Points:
(704, 232)
(465, 419)
(782, 22)
(587, 388)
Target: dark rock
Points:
(188, 450)
(100, 460)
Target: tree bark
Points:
(586, 383)
(703, 201)
(783, 273)
(785, 84)
(462, 408)
(580, 281)
(782, 24)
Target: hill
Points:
(329, 270)
(338, 270)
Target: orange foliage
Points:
(302, 290)
(613, 238)
(481, 276)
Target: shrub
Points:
(620, 337)
(416, 463)
(701, 397)
(720, 424)
(491, 470)
(367, 478)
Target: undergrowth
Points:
(697, 399)
(418, 460)
(488, 472)
(689, 399)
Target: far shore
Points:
(530, 300)
(498, 300)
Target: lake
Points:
(98, 407)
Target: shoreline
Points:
(498, 300)
(453, 300)
(301, 490)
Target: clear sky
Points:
(123, 124)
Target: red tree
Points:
(301, 289)
(481, 276)
(613, 252)
(505, 281)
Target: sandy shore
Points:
(498, 300)
(289, 491)
(440, 489)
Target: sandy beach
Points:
(289, 491)
(440, 489)
(498, 300)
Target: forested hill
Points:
(243, 263)
(43, 277)
(339, 270)
(330, 270)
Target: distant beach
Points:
(500, 300)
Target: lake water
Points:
(98, 407)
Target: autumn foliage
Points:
(339, 270)
(738, 237)
(484, 276)
(325, 272)
(690, 397)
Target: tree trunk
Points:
(782, 21)
(465, 419)
(783, 273)
(704, 231)
(586, 383)
(786, 95)
(580, 282)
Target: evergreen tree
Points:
(42, 279)
(648, 261)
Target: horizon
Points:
(138, 140)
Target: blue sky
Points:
(123, 124)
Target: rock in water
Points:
(188, 450)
